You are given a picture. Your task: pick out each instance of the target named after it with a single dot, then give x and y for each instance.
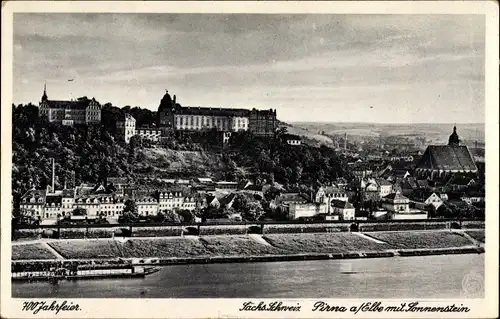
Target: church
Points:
(441, 161)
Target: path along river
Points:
(447, 276)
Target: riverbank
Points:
(249, 248)
(413, 278)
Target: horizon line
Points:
(387, 123)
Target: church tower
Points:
(44, 96)
(454, 140)
(166, 111)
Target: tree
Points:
(253, 211)
(79, 212)
(130, 207)
(187, 216)
(249, 209)
(171, 216)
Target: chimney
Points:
(53, 174)
(174, 99)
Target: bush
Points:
(27, 234)
(304, 228)
(50, 233)
(100, 233)
(473, 224)
(162, 231)
(72, 233)
(223, 230)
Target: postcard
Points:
(249, 159)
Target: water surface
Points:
(399, 277)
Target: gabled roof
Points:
(254, 188)
(34, 193)
(227, 199)
(68, 193)
(74, 105)
(457, 179)
(422, 183)
(293, 198)
(291, 137)
(362, 213)
(341, 204)
(53, 199)
(421, 195)
(328, 190)
(395, 196)
(243, 184)
(382, 182)
(445, 157)
(211, 198)
(410, 182)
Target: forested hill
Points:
(91, 154)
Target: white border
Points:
(205, 308)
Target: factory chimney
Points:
(53, 175)
(345, 141)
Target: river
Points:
(400, 277)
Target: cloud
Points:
(237, 59)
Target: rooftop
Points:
(446, 157)
(395, 196)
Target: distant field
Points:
(31, 251)
(435, 132)
(312, 135)
(423, 239)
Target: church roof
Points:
(445, 157)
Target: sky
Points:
(316, 67)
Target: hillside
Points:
(310, 136)
(91, 154)
(167, 162)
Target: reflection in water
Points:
(406, 277)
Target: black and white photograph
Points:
(263, 156)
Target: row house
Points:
(33, 201)
(398, 207)
(422, 199)
(343, 209)
(326, 194)
(173, 199)
(146, 205)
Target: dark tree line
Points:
(91, 153)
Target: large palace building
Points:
(70, 112)
(172, 115)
